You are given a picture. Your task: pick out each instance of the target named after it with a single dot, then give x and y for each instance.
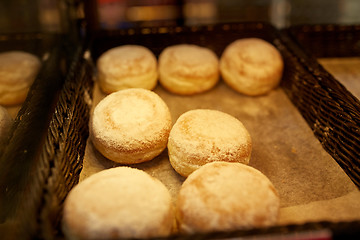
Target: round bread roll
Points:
(188, 69)
(18, 70)
(127, 66)
(5, 122)
(201, 136)
(130, 126)
(118, 203)
(222, 196)
(251, 66)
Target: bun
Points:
(251, 66)
(5, 122)
(128, 66)
(17, 72)
(130, 126)
(223, 196)
(118, 203)
(202, 136)
(188, 69)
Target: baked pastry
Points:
(188, 69)
(201, 136)
(18, 70)
(127, 66)
(222, 196)
(251, 66)
(5, 122)
(116, 203)
(130, 126)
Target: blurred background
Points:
(52, 15)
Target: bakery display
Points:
(18, 71)
(222, 196)
(201, 136)
(127, 66)
(188, 69)
(118, 203)
(281, 124)
(5, 122)
(251, 66)
(130, 126)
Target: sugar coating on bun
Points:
(251, 66)
(118, 203)
(223, 196)
(5, 122)
(130, 126)
(201, 136)
(18, 71)
(127, 66)
(188, 69)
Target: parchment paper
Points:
(311, 185)
(13, 110)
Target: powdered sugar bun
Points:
(251, 66)
(5, 122)
(127, 66)
(222, 196)
(18, 70)
(130, 126)
(118, 203)
(188, 69)
(201, 136)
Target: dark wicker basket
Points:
(334, 113)
(42, 159)
(328, 40)
(330, 110)
(36, 42)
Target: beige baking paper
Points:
(13, 110)
(311, 185)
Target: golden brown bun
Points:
(251, 66)
(130, 126)
(201, 136)
(222, 196)
(5, 122)
(127, 66)
(188, 69)
(18, 71)
(118, 203)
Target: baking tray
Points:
(311, 89)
